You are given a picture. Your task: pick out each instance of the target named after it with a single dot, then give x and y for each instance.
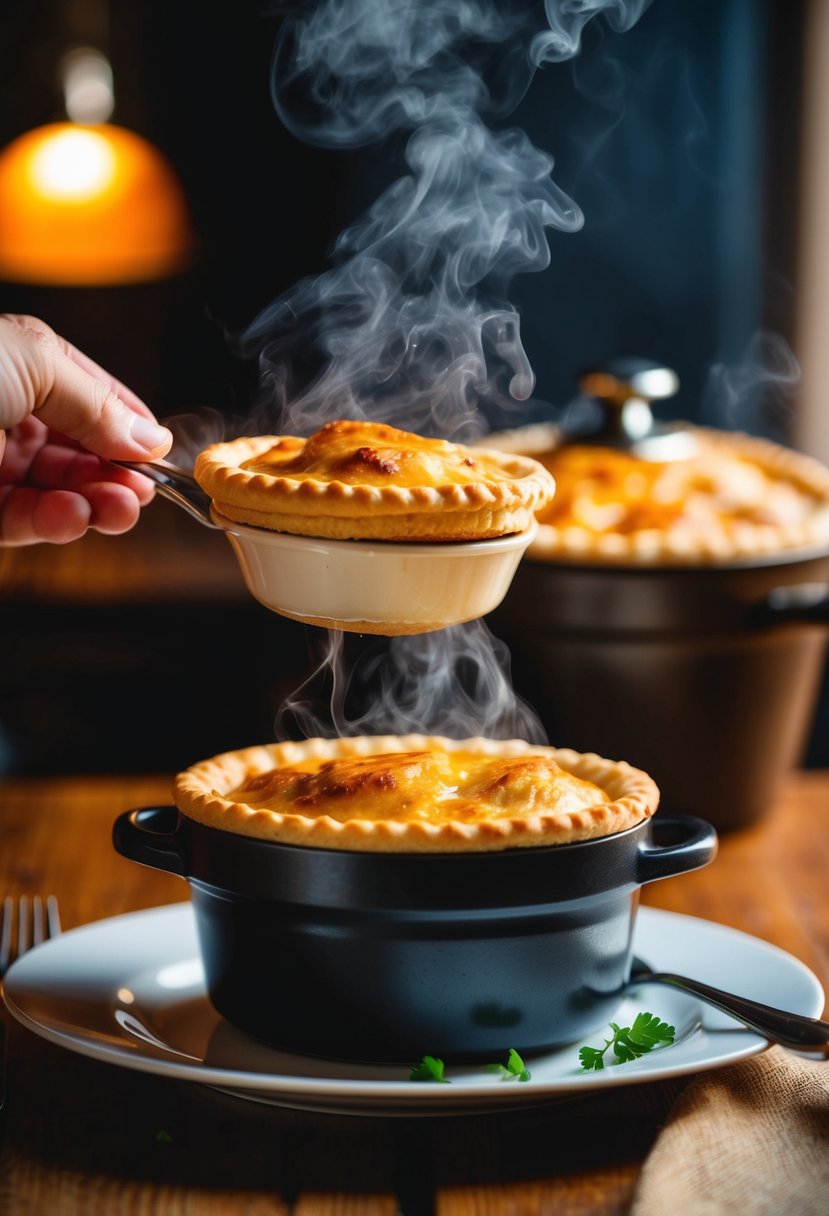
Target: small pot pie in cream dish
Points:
(357, 480)
(386, 897)
(367, 528)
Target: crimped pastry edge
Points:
(219, 475)
(199, 794)
(652, 547)
(488, 523)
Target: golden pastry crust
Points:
(368, 481)
(740, 498)
(415, 794)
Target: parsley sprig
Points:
(514, 1069)
(431, 1068)
(629, 1042)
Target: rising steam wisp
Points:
(453, 682)
(412, 324)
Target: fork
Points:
(34, 926)
(35, 922)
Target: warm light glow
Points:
(89, 204)
(73, 164)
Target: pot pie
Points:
(737, 498)
(415, 793)
(356, 480)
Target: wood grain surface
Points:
(86, 1137)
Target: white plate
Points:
(130, 991)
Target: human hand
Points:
(62, 418)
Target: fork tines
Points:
(34, 925)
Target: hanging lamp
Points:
(86, 202)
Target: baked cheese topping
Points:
(708, 497)
(365, 453)
(738, 498)
(415, 793)
(420, 786)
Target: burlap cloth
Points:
(748, 1140)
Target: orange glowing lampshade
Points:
(89, 205)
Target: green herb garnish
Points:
(162, 1136)
(429, 1069)
(514, 1069)
(629, 1042)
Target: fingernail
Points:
(149, 434)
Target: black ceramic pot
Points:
(705, 677)
(384, 956)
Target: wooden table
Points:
(86, 1137)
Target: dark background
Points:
(679, 140)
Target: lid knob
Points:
(625, 388)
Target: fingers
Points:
(115, 509)
(36, 456)
(86, 409)
(28, 516)
(56, 467)
(51, 490)
(130, 399)
(42, 374)
(97, 372)
(35, 325)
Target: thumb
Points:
(90, 411)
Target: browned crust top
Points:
(205, 792)
(368, 470)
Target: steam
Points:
(453, 682)
(755, 393)
(412, 324)
(567, 19)
(194, 430)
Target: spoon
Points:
(174, 483)
(792, 1030)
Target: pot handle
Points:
(675, 844)
(150, 836)
(802, 604)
